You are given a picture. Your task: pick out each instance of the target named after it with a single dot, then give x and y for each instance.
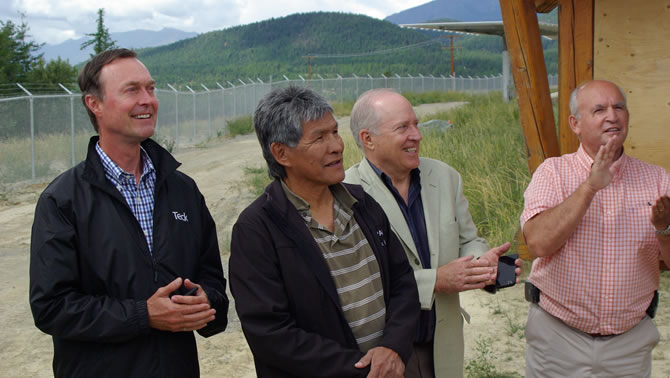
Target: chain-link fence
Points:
(43, 135)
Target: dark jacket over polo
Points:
(91, 272)
(287, 301)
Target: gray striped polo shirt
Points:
(352, 264)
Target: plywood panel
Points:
(632, 48)
(575, 65)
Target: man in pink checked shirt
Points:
(599, 222)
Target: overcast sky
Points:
(53, 21)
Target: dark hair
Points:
(279, 117)
(89, 77)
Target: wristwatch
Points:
(665, 232)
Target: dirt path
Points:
(218, 168)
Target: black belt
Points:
(533, 296)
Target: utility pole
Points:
(309, 66)
(451, 49)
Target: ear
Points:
(574, 124)
(93, 103)
(366, 139)
(280, 153)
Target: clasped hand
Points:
(179, 313)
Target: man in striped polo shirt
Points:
(598, 221)
(321, 285)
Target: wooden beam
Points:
(545, 6)
(575, 63)
(522, 34)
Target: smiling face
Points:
(602, 114)
(127, 111)
(316, 161)
(394, 145)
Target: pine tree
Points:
(16, 52)
(100, 40)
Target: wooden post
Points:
(522, 34)
(575, 63)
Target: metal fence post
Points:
(341, 90)
(321, 77)
(192, 93)
(253, 92)
(223, 104)
(32, 131)
(209, 109)
(358, 93)
(176, 116)
(244, 88)
(234, 100)
(256, 98)
(71, 119)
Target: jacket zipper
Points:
(153, 267)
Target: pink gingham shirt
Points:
(602, 280)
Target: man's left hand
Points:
(384, 363)
(199, 297)
(660, 213)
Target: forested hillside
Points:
(279, 47)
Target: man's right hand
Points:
(166, 315)
(601, 171)
(464, 273)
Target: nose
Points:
(147, 96)
(336, 145)
(611, 114)
(415, 133)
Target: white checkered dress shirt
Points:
(602, 279)
(140, 198)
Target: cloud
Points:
(53, 21)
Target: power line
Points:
(377, 52)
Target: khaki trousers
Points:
(554, 349)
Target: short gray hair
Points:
(574, 103)
(279, 117)
(364, 114)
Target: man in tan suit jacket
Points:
(424, 201)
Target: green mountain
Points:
(279, 46)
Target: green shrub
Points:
(240, 126)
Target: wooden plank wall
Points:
(631, 48)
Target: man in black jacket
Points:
(124, 260)
(321, 284)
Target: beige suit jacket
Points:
(451, 234)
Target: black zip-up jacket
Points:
(91, 272)
(286, 298)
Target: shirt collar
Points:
(587, 161)
(340, 193)
(414, 176)
(113, 170)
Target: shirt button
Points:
(416, 261)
